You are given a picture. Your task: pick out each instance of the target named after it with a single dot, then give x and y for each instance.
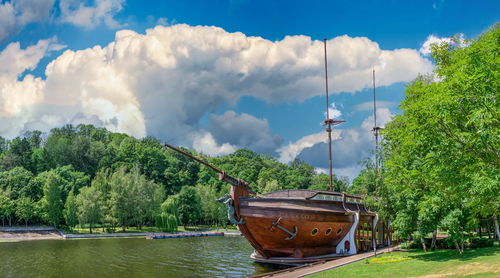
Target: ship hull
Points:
(295, 227)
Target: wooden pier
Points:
(310, 268)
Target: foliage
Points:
(441, 154)
(25, 209)
(51, 202)
(90, 206)
(71, 210)
(189, 206)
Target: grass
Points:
(480, 262)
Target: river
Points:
(130, 257)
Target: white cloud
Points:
(16, 95)
(351, 171)
(15, 14)
(384, 116)
(458, 40)
(369, 105)
(163, 82)
(333, 112)
(431, 39)
(244, 130)
(349, 148)
(292, 150)
(102, 12)
(206, 144)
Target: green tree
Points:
(71, 210)
(441, 153)
(25, 209)
(16, 180)
(7, 207)
(52, 204)
(90, 207)
(189, 206)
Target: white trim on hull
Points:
(350, 237)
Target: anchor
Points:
(292, 235)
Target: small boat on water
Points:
(300, 226)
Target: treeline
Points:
(88, 176)
(441, 156)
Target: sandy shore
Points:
(28, 235)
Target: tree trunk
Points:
(495, 223)
(434, 237)
(462, 241)
(488, 228)
(90, 227)
(479, 231)
(26, 222)
(456, 246)
(423, 244)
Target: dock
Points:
(311, 268)
(180, 235)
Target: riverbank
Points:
(12, 234)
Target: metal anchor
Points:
(292, 235)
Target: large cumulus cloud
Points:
(163, 82)
(244, 131)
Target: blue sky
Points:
(251, 78)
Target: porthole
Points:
(328, 231)
(314, 231)
(339, 231)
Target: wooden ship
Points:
(301, 226)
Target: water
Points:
(130, 257)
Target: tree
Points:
(168, 219)
(121, 198)
(16, 180)
(133, 198)
(25, 209)
(189, 206)
(71, 210)
(441, 153)
(7, 207)
(90, 207)
(52, 204)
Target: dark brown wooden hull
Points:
(320, 226)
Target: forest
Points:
(87, 175)
(438, 165)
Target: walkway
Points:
(308, 269)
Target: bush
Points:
(481, 242)
(412, 244)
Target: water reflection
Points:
(138, 257)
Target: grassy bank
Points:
(480, 262)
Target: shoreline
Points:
(18, 234)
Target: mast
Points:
(375, 129)
(329, 122)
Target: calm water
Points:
(131, 257)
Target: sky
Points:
(218, 75)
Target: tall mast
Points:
(375, 128)
(329, 122)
